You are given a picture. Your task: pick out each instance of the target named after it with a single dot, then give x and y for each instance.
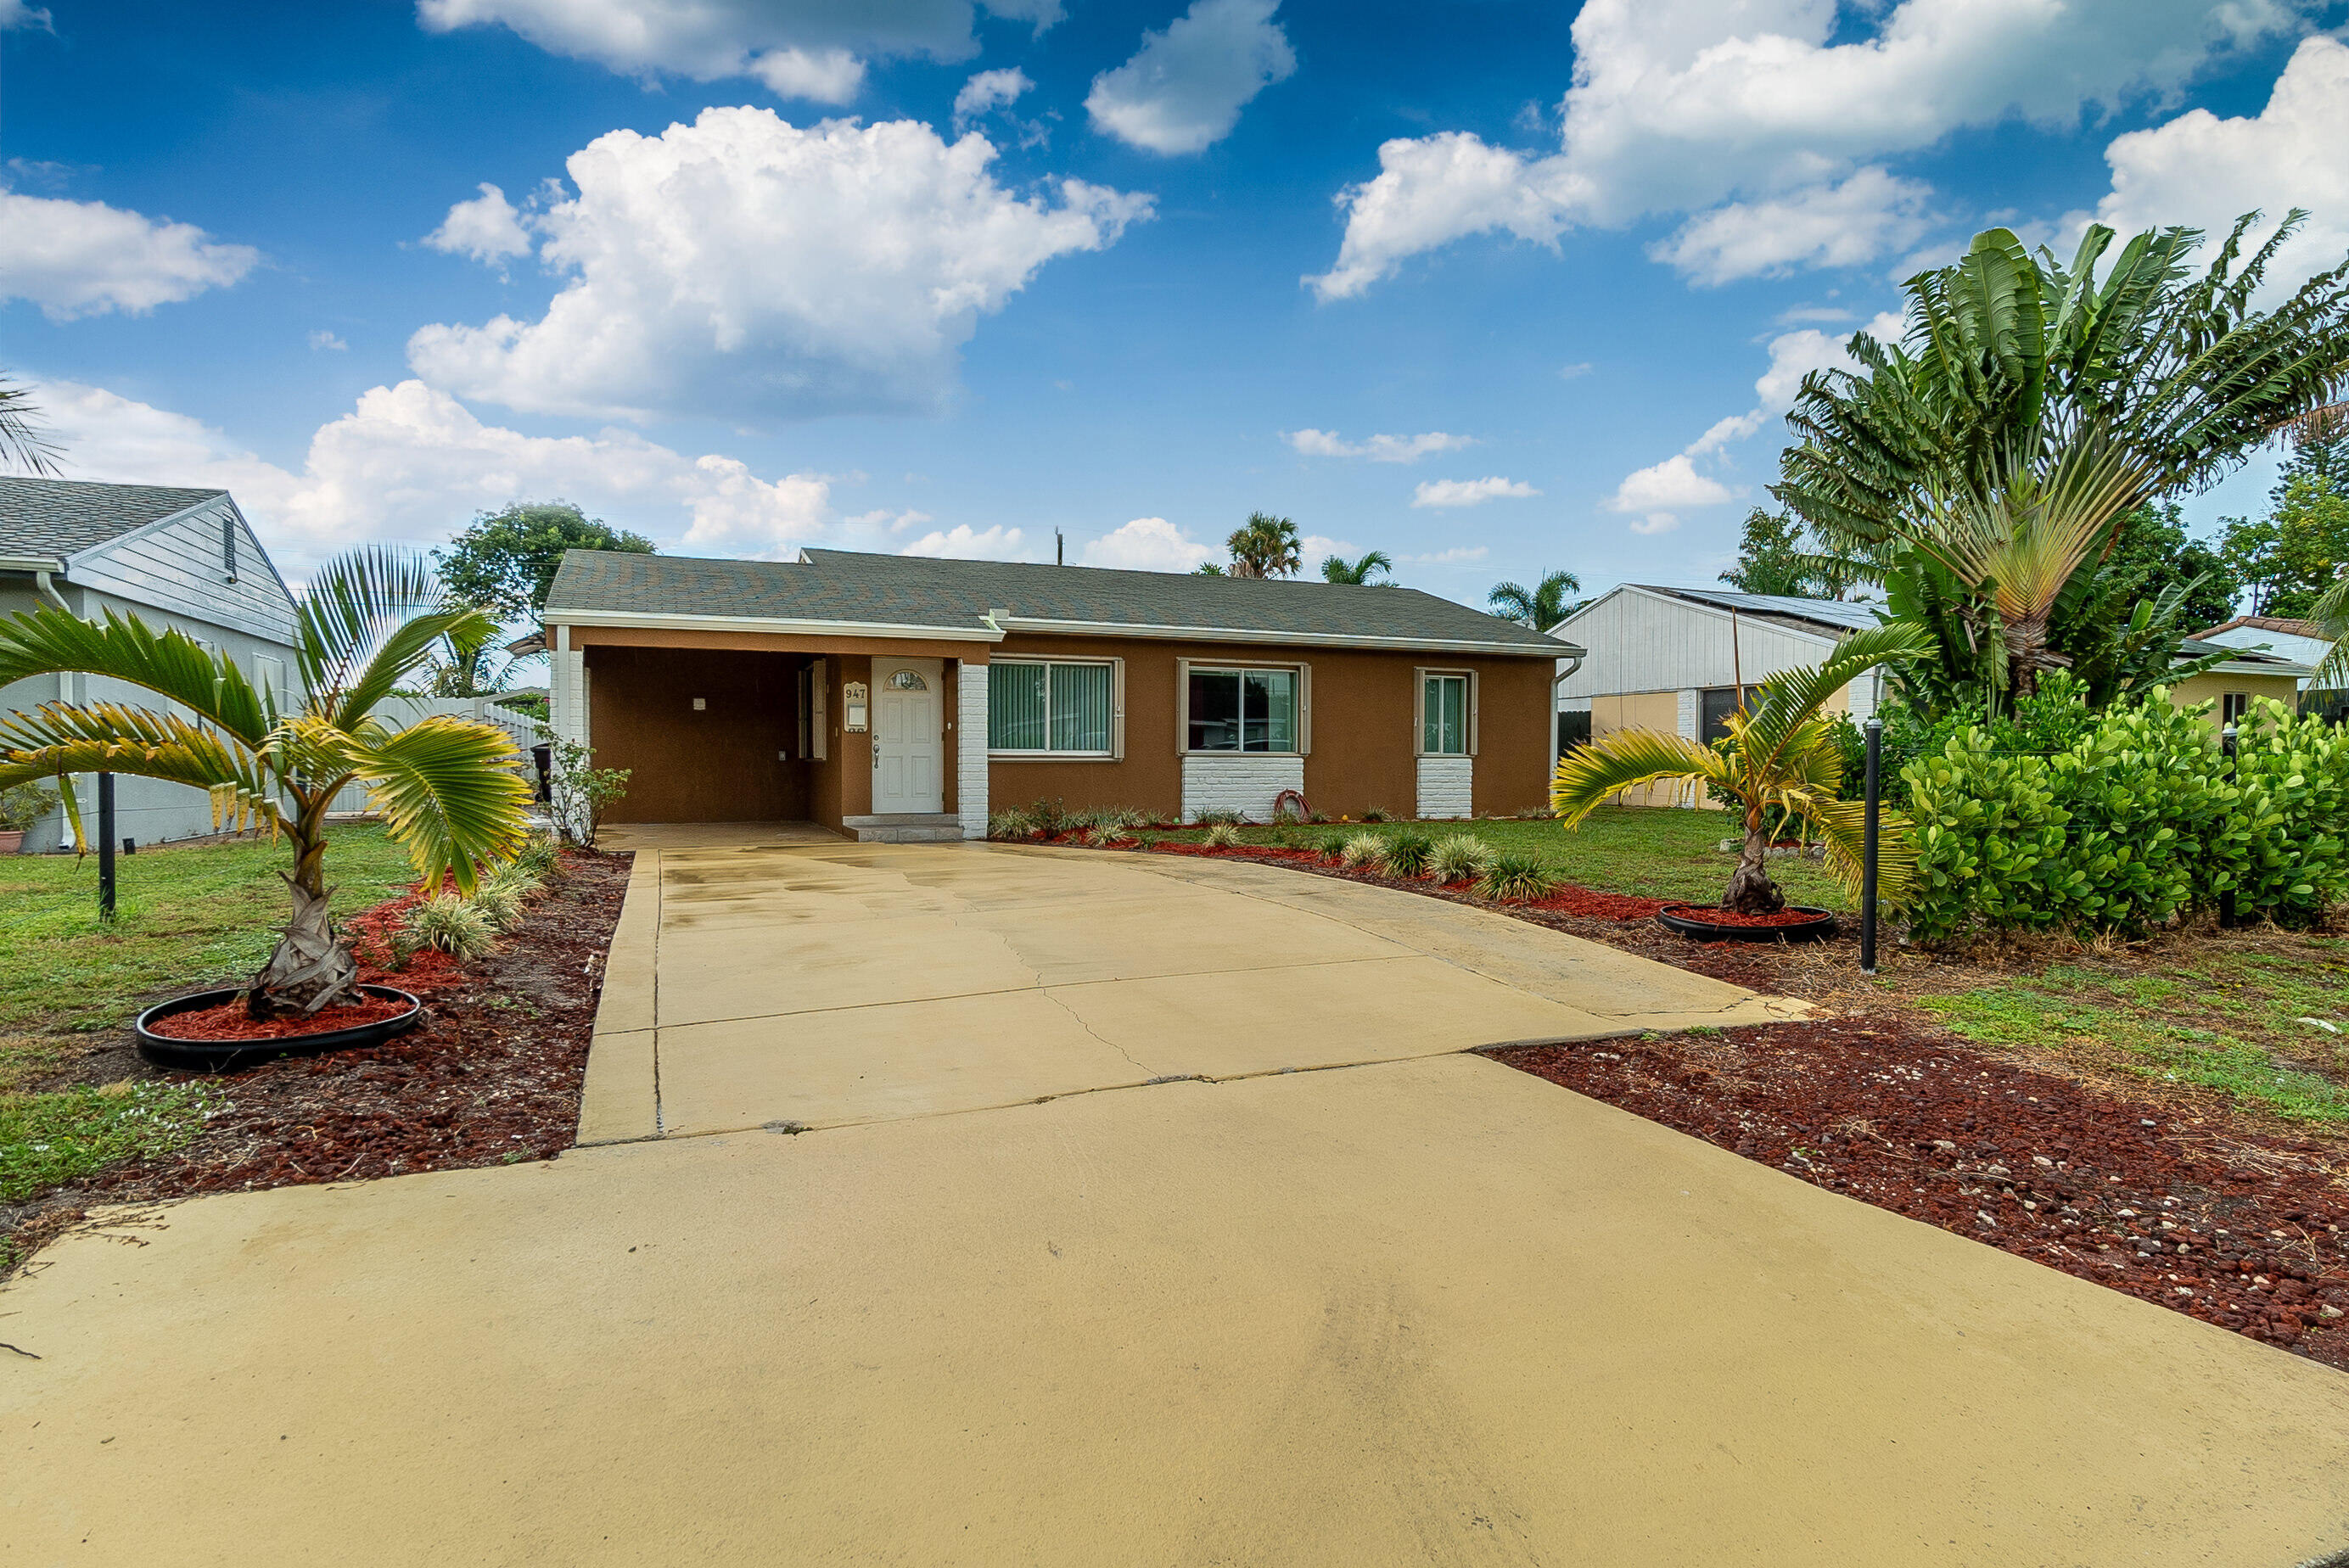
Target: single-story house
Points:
(1679, 659)
(182, 558)
(2285, 638)
(896, 697)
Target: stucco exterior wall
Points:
(732, 761)
(2213, 685)
(1659, 710)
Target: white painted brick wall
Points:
(1241, 783)
(1691, 709)
(1445, 785)
(970, 750)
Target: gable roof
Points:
(1835, 615)
(57, 519)
(852, 593)
(2289, 628)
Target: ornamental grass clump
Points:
(459, 927)
(1513, 875)
(1010, 823)
(1224, 836)
(1407, 853)
(1363, 851)
(1457, 858)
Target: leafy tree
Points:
(2151, 553)
(506, 560)
(2288, 558)
(1542, 606)
(23, 443)
(1779, 762)
(1777, 555)
(1363, 572)
(450, 790)
(467, 665)
(1266, 546)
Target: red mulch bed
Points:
(2235, 1228)
(1714, 914)
(231, 1021)
(490, 1077)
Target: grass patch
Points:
(183, 916)
(48, 1138)
(1645, 852)
(2241, 1025)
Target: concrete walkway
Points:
(1420, 1310)
(756, 986)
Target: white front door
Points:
(909, 760)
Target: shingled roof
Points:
(61, 518)
(957, 596)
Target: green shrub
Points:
(1407, 853)
(1047, 818)
(1217, 819)
(1457, 857)
(1375, 814)
(1363, 851)
(1225, 836)
(2136, 821)
(1516, 874)
(459, 927)
(541, 856)
(1010, 823)
(24, 805)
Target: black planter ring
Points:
(220, 1056)
(1820, 926)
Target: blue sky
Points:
(1493, 288)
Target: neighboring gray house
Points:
(184, 559)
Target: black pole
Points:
(2227, 898)
(106, 846)
(1874, 730)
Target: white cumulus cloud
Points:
(1775, 109)
(989, 90)
(964, 542)
(800, 50)
(744, 267)
(1183, 89)
(1672, 485)
(85, 258)
(413, 464)
(1378, 448)
(1148, 544)
(487, 228)
(1444, 493)
(2205, 171)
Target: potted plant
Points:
(20, 807)
(1779, 763)
(450, 790)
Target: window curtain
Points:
(1016, 708)
(1080, 705)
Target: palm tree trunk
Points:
(1750, 890)
(311, 968)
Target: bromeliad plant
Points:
(450, 790)
(1779, 762)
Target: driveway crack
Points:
(1088, 1028)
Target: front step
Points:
(905, 828)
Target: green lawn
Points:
(2252, 1026)
(1646, 851)
(183, 916)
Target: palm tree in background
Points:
(1361, 572)
(1540, 607)
(450, 790)
(1264, 546)
(23, 443)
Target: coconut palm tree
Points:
(1540, 607)
(1264, 546)
(451, 791)
(1778, 763)
(1363, 572)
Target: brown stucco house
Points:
(894, 697)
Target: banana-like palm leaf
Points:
(1588, 776)
(170, 664)
(450, 790)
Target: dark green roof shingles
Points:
(914, 591)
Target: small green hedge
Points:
(2137, 821)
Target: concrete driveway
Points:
(1420, 1309)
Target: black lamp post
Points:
(1874, 730)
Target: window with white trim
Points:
(1241, 710)
(1051, 707)
(1444, 714)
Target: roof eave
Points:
(555, 615)
(1554, 649)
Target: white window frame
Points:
(1047, 753)
(1419, 679)
(1185, 668)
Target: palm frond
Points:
(1792, 697)
(2331, 613)
(170, 664)
(370, 617)
(450, 790)
(1842, 826)
(1588, 776)
(57, 740)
